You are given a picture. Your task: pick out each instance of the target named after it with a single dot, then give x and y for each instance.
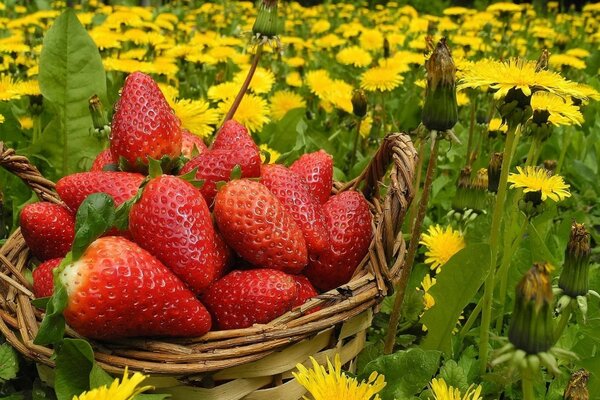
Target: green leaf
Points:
(9, 362)
(41, 302)
(99, 377)
(406, 372)
(71, 72)
(94, 217)
(457, 284)
(454, 375)
(52, 329)
(154, 168)
(74, 363)
(236, 172)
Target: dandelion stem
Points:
(486, 317)
(565, 316)
(355, 146)
(471, 320)
(471, 129)
(509, 250)
(563, 152)
(527, 384)
(244, 88)
(400, 288)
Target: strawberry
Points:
(117, 290)
(143, 124)
(48, 229)
(224, 255)
(171, 221)
(299, 202)
(103, 159)
(255, 224)
(243, 298)
(189, 141)
(43, 280)
(349, 223)
(317, 171)
(232, 146)
(122, 186)
(306, 291)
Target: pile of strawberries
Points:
(234, 253)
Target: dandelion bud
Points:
(267, 22)
(386, 48)
(550, 165)
(359, 103)
(479, 187)
(577, 386)
(493, 171)
(531, 327)
(98, 114)
(440, 109)
(574, 276)
(462, 198)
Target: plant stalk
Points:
(527, 384)
(419, 169)
(355, 146)
(245, 85)
(471, 320)
(400, 288)
(565, 316)
(488, 294)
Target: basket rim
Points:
(373, 280)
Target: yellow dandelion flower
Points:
(7, 89)
(253, 111)
(496, 125)
(320, 26)
(535, 179)
(329, 41)
(441, 245)
(577, 52)
(262, 81)
(340, 95)
(196, 116)
(380, 78)
(26, 122)
(283, 101)
(371, 39)
(333, 383)
(2, 119)
(295, 62)
(221, 53)
(171, 93)
(565, 60)
(554, 109)
(354, 55)
(365, 126)
(426, 284)
(273, 154)
(462, 99)
(455, 11)
(504, 7)
(441, 391)
(318, 82)
(124, 389)
(27, 88)
(223, 91)
(293, 79)
(518, 74)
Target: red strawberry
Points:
(48, 229)
(234, 136)
(143, 124)
(224, 255)
(306, 291)
(255, 224)
(172, 222)
(122, 186)
(299, 202)
(317, 171)
(350, 231)
(189, 141)
(43, 280)
(216, 165)
(243, 298)
(117, 290)
(103, 159)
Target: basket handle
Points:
(24, 169)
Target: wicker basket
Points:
(252, 363)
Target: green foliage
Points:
(9, 362)
(94, 217)
(71, 72)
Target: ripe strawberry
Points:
(171, 221)
(243, 298)
(143, 124)
(103, 159)
(306, 291)
(43, 280)
(122, 186)
(48, 229)
(255, 224)
(234, 136)
(117, 290)
(224, 255)
(216, 165)
(188, 141)
(317, 171)
(350, 231)
(299, 202)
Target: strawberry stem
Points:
(244, 88)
